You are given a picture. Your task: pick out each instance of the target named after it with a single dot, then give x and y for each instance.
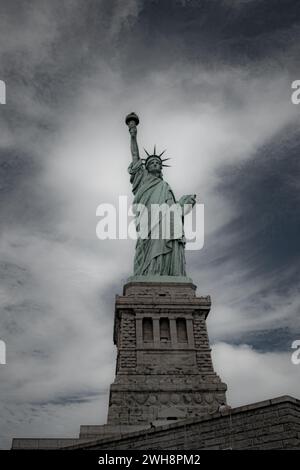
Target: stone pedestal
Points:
(164, 370)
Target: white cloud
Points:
(253, 376)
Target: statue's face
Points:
(154, 166)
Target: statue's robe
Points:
(155, 256)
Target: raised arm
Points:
(132, 121)
(134, 145)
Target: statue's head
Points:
(154, 163)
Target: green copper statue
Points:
(154, 256)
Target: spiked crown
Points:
(149, 157)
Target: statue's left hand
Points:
(188, 199)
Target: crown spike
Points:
(165, 159)
(154, 151)
(147, 152)
(162, 153)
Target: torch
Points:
(132, 120)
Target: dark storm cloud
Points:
(265, 193)
(20, 200)
(76, 34)
(83, 397)
(261, 243)
(210, 32)
(274, 340)
(47, 49)
(62, 43)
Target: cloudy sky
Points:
(211, 82)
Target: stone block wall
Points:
(270, 424)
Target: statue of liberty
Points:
(159, 256)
